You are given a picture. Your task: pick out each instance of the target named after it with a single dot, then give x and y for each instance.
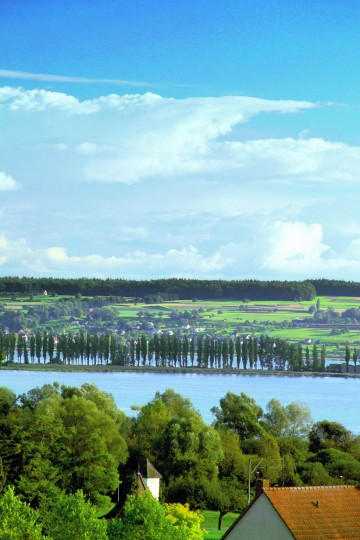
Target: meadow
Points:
(210, 524)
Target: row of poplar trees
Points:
(162, 351)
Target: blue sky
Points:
(145, 139)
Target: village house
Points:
(300, 513)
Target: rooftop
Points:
(318, 512)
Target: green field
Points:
(276, 318)
(210, 524)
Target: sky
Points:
(150, 139)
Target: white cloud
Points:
(280, 250)
(295, 247)
(47, 77)
(135, 136)
(7, 183)
(285, 159)
(142, 185)
(188, 259)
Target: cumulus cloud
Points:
(141, 185)
(295, 247)
(7, 183)
(285, 250)
(136, 136)
(188, 259)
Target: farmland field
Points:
(293, 321)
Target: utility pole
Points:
(250, 472)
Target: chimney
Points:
(260, 484)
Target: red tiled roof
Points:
(319, 512)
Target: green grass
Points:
(213, 535)
(210, 524)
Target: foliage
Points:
(239, 413)
(184, 519)
(184, 288)
(338, 464)
(73, 442)
(327, 434)
(170, 432)
(225, 496)
(293, 420)
(234, 463)
(72, 517)
(17, 520)
(146, 519)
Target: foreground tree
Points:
(17, 520)
(73, 441)
(146, 519)
(72, 517)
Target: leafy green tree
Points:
(268, 449)
(185, 520)
(234, 462)
(347, 357)
(45, 346)
(17, 520)
(73, 441)
(244, 353)
(326, 434)
(38, 346)
(323, 357)
(20, 347)
(316, 358)
(188, 446)
(144, 518)
(51, 346)
(144, 348)
(354, 358)
(240, 413)
(72, 517)
(315, 474)
(338, 464)
(293, 420)
(288, 475)
(225, 496)
(297, 448)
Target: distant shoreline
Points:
(53, 368)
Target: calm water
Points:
(332, 398)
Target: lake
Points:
(331, 398)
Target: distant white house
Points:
(152, 480)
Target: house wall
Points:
(260, 522)
(154, 485)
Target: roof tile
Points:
(318, 512)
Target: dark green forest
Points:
(180, 288)
(183, 288)
(65, 451)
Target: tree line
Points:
(163, 288)
(164, 350)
